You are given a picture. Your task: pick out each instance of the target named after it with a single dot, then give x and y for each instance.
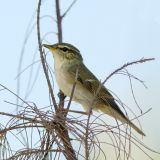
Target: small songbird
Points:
(68, 64)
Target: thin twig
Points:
(87, 134)
(72, 92)
(18, 97)
(69, 8)
(130, 81)
(26, 68)
(142, 60)
(42, 57)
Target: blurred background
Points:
(108, 34)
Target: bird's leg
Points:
(89, 111)
(61, 99)
(60, 109)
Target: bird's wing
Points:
(91, 83)
(85, 77)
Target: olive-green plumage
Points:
(68, 65)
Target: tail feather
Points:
(136, 128)
(119, 115)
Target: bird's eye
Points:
(64, 49)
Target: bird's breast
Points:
(66, 82)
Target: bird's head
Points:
(64, 52)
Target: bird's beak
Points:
(50, 47)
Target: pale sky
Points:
(108, 34)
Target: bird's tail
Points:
(135, 127)
(119, 115)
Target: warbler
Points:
(89, 92)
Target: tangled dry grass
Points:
(46, 133)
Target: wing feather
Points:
(91, 83)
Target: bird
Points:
(68, 67)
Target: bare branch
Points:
(59, 21)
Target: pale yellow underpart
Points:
(81, 95)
